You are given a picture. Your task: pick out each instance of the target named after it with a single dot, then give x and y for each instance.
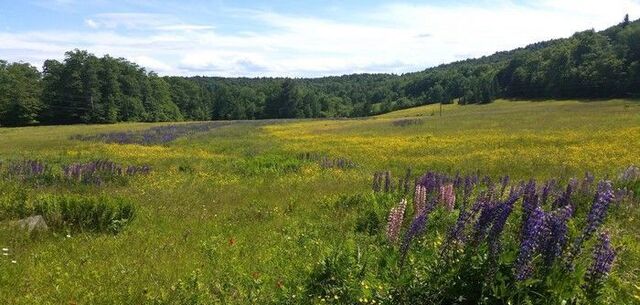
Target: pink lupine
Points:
(448, 196)
(419, 199)
(396, 216)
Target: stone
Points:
(33, 223)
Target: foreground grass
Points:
(238, 205)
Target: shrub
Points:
(71, 212)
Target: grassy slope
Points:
(243, 183)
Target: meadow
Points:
(283, 211)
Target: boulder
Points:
(33, 223)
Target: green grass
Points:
(237, 212)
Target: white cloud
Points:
(391, 38)
(152, 64)
(91, 23)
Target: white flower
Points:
(15, 262)
(68, 235)
(5, 254)
(5, 249)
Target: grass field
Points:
(237, 215)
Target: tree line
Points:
(84, 88)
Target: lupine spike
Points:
(529, 244)
(394, 221)
(603, 257)
(448, 196)
(599, 208)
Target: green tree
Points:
(19, 94)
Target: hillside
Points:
(87, 89)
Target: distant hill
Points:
(87, 89)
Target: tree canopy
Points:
(84, 88)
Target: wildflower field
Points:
(514, 202)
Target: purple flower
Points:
(587, 182)
(529, 244)
(388, 187)
(485, 220)
(556, 233)
(501, 214)
(457, 233)
(504, 182)
(564, 199)
(599, 208)
(417, 227)
(26, 169)
(96, 172)
(546, 189)
(631, 174)
(603, 257)
(468, 189)
(377, 182)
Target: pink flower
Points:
(448, 196)
(396, 216)
(419, 199)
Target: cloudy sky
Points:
(291, 37)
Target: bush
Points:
(71, 212)
(97, 214)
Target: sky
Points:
(292, 38)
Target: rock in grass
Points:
(33, 223)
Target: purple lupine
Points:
(394, 221)
(500, 219)
(457, 234)
(432, 181)
(95, 172)
(377, 182)
(620, 194)
(388, 187)
(631, 174)
(529, 201)
(457, 180)
(529, 244)
(406, 182)
(26, 168)
(153, 135)
(587, 183)
(484, 221)
(556, 237)
(546, 189)
(597, 214)
(417, 227)
(486, 180)
(603, 257)
(565, 198)
(601, 201)
(466, 192)
(504, 181)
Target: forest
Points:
(84, 88)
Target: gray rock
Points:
(33, 223)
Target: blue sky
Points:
(291, 38)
